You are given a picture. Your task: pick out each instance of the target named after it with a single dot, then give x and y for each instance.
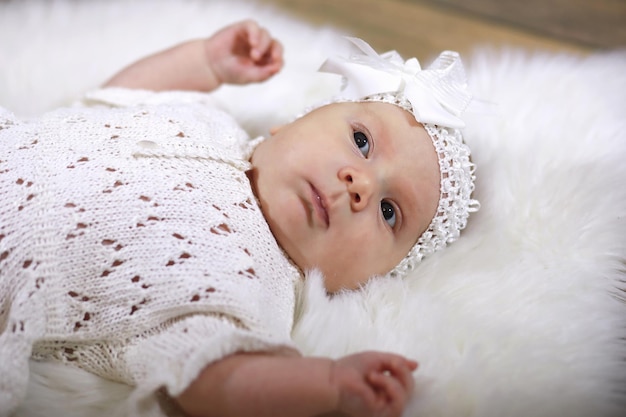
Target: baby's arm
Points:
(240, 53)
(360, 385)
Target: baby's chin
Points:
(335, 282)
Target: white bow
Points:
(438, 94)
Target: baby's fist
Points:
(244, 52)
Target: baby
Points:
(146, 239)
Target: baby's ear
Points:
(275, 129)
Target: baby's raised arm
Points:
(360, 385)
(240, 53)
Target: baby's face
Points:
(348, 189)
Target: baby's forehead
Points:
(368, 105)
(387, 113)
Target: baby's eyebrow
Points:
(409, 203)
(377, 119)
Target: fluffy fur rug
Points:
(524, 316)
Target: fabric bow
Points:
(438, 94)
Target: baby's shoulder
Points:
(177, 116)
(189, 106)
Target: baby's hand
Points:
(373, 384)
(243, 53)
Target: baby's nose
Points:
(359, 185)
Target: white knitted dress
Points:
(131, 245)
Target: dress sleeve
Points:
(182, 351)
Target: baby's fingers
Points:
(275, 53)
(395, 395)
(259, 40)
(403, 371)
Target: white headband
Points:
(437, 97)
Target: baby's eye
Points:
(362, 142)
(389, 212)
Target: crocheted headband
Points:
(436, 97)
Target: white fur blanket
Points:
(523, 316)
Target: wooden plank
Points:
(597, 23)
(417, 28)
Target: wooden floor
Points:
(423, 28)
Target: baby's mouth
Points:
(319, 205)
